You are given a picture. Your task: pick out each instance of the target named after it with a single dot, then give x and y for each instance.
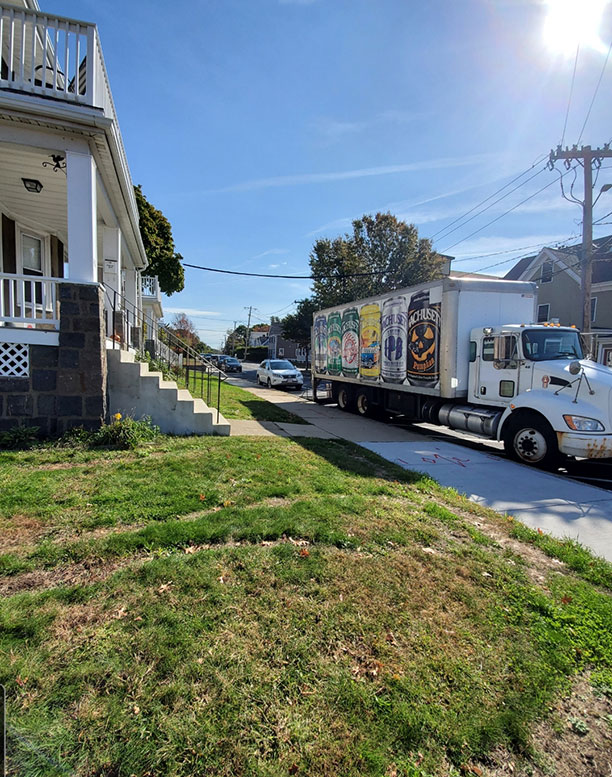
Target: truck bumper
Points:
(585, 446)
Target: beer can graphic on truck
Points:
(369, 342)
(350, 342)
(393, 327)
(423, 363)
(334, 343)
(320, 344)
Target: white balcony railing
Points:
(29, 301)
(150, 287)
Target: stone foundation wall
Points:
(66, 386)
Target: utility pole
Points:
(248, 334)
(233, 346)
(588, 158)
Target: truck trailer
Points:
(442, 352)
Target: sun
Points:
(573, 23)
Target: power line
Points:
(594, 94)
(569, 99)
(505, 213)
(505, 186)
(290, 277)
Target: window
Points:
(472, 351)
(543, 312)
(547, 272)
(506, 388)
(505, 352)
(31, 255)
(593, 309)
(488, 349)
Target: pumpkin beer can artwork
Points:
(423, 341)
(334, 344)
(369, 341)
(350, 342)
(320, 343)
(393, 326)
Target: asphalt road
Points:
(596, 473)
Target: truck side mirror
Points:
(574, 367)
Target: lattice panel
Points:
(14, 360)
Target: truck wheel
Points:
(531, 440)
(362, 404)
(344, 399)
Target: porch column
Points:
(131, 286)
(111, 255)
(82, 218)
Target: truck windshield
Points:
(543, 344)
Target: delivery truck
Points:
(443, 352)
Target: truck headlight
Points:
(581, 424)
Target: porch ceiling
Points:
(46, 211)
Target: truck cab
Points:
(553, 399)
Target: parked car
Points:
(229, 364)
(279, 372)
(211, 357)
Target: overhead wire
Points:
(569, 100)
(482, 202)
(594, 94)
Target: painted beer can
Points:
(369, 342)
(350, 342)
(393, 326)
(320, 344)
(334, 343)
(423, 366)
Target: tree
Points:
(387, 251)
(156, 234)
(184, 328)
(296, 326)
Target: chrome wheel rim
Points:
(530, 445)
(362, 404)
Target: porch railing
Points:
(29, 301)
(128, 327)
(150, 286)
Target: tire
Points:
(344, 399)
(362, 404)
(269, 383)
(531, 440)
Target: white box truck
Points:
(443, 352)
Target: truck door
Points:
(499, 367)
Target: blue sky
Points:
(258, 126)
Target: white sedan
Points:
(279, 372)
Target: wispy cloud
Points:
(346, 175)
(270, 252)
(193, 312)
(332, 129)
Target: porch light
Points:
(32, 185)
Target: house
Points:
(279, 346)
(557, 273)
(71, 254)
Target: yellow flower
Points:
(117, 416)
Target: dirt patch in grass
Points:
(575, 740)
(20, 531)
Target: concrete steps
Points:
(134, 390)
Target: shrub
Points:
(19, 437)
(124, 433)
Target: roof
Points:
(572, 256)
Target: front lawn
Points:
(241, 606)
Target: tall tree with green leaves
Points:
(296, 326)
(156, 234)
(384, 251)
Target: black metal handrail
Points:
(127, 325)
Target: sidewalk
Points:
(541, 500)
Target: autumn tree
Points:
(156, 234)
(383, 252)
(184, 328)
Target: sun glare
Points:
(572, 23)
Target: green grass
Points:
(318, 612)
(236, 403)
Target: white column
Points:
(111, 255)
(131, 286)
(82, 218)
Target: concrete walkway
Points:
(555, 504)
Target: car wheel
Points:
(362, 404)
(531, 440)
(269, 383)
(344, 399)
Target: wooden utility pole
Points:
(248, 334)
(588, 158)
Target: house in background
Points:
(557, 273)
(71, 254)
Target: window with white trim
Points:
(543, 312)
(33, 254)
(547, 272)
